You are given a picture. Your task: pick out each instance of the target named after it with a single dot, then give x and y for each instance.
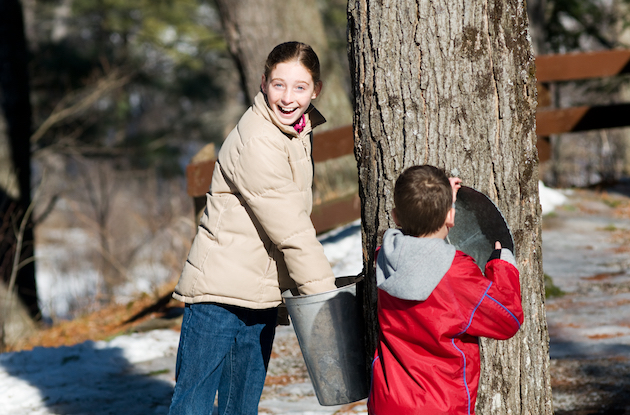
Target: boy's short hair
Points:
(423, 197)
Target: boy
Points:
(434, 303)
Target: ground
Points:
(123, 356)
(587, 256)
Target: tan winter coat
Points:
(256, 238)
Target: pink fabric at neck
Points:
(300, 124)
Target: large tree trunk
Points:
(253, 27)
(14, 95)
(452, 83)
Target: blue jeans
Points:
(226, 349)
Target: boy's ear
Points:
(395, 217)
(450, 218)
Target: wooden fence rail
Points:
(549, 68)
(575, 67)
(583, 118)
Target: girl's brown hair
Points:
(294, 51)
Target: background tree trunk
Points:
(253, 27)
(14, 93)
(536, 13)
(452, 83)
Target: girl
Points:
(255, 239)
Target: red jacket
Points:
(427, 360)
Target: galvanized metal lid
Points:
(478, 225)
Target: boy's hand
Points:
(456, 183)
(504, 254)
(497, 253)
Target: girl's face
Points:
(290, 89)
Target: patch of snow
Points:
(91, 377)
(343, 248)
(549, 198)
(140, 347)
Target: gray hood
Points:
(410, 268)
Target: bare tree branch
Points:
(110, 83)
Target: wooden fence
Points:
(549, 68)
(575, 67)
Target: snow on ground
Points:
(550, 198)
(69, 282)
(343, 249)
(133, 374)
(90, 378)
(65, 280)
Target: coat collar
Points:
(313, 117)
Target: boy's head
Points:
(424, 198)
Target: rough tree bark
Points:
(452, 83)
(14, 96)
(253, 27)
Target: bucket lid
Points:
(478, 225)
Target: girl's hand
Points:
(456, 183)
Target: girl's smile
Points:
(289, 90)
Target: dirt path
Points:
(587, 255)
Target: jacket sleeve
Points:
(498, 313)
(264, 178)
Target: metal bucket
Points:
(329, 328)
(478, 225)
